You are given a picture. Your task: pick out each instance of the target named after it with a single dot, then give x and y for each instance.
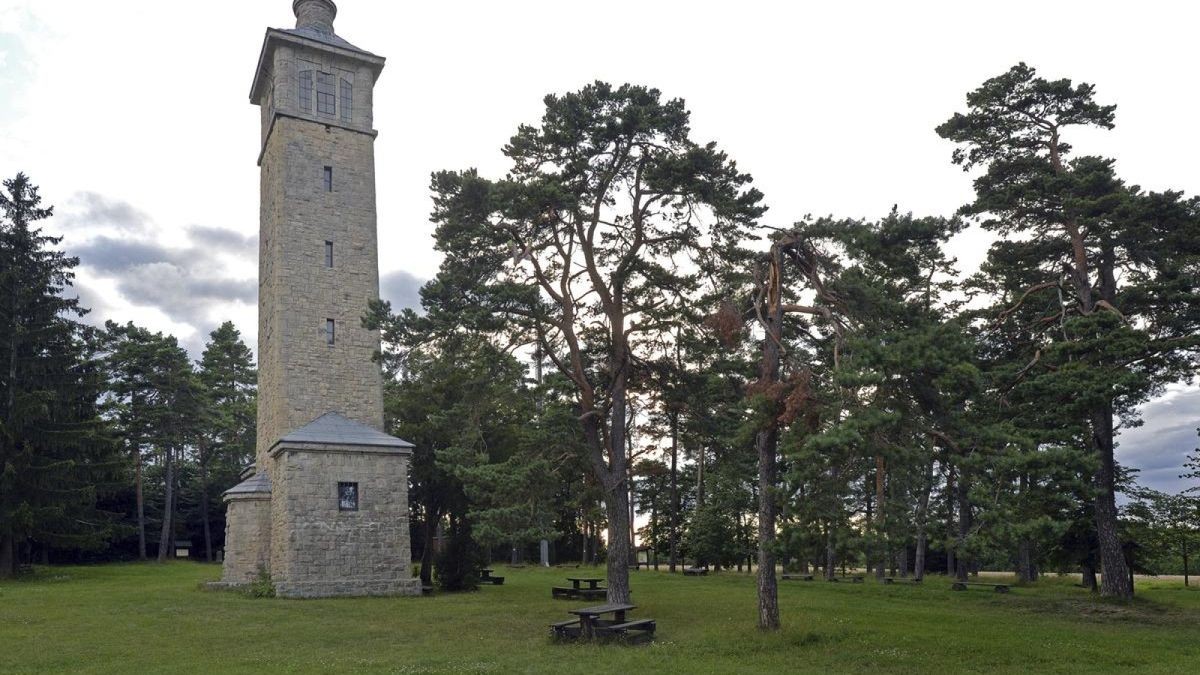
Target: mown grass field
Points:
(157, 618)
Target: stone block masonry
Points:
(320, 391)
(248, 522)
(302, 376)
(321, 550)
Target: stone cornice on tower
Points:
(310, 39)
(314, 30)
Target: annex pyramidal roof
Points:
(335, 429)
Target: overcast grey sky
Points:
(134, 118)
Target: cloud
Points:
(179, 294)
(1160, 446)
(106, 254)
(401, 289)
(222, 239)
(89, 212)
(118, 246)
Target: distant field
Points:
(156, 618)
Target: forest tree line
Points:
(618, 335)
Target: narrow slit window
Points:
(329, 254)
(330, 327)
(328, 179)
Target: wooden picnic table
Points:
(589, 617)
(962, 586)
(592, 582)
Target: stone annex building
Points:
(324, 509)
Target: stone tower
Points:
(325, 507)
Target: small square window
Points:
(327, 178)
(329, 330)
(347, 496)
(329, 254)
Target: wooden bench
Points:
(895, 580)
(562, 592)
(632, 630)
(851, 579)
(592, 593)
(569, 629)
(485, 576)
(797, 577)
(695, 571)
(962, 586)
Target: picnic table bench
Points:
(485, 577)
(797, 577)
(591, 625)
(854, 579)
(962, 586)
(695, 571)
(593, 591)
(894, 580)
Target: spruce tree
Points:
(226, 440)
(55, 452)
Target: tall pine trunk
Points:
(1115, 580)
(674, 525)
(165, 538)
(141, 504)
(208, 556)
(1089, 577)
(766, 442)
(922, 524)
(1185, 561)
(830, 553)
(616, 504)
(880, 521)
(952, 531)
(615, 482)
(432, 517)
(8, 558)
(964, 527)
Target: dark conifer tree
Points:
(55, 452)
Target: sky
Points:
(134, 118)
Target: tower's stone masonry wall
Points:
(281, 96)
(320, 550)
(247, 522)
(303, 377)
(313, 548)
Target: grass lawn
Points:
(156, 618)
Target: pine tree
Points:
(590, 248)
(1113, 270)
(157, 404)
